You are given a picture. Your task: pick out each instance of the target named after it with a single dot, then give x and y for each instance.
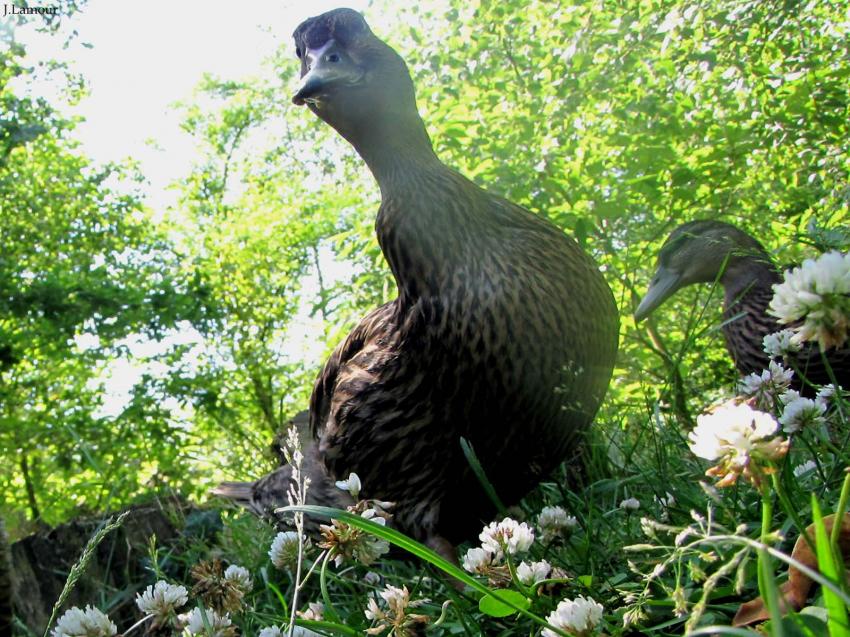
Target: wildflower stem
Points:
(136, 625)
(312, 568)
(443, 613)
(330, 611)
(790, 509)
(512, 570)
(766, 582)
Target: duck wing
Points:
(359, 352)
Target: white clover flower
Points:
(630, 504)
(352, 485)
(240, 576)
(84, 623)
(371, 578)
(220, 625)
(764, 387)
(162, 599)
(284, 549)
(577, 616)
(532, 572)
(477, 560)
(368, 550)
(826, 394)
(553, 521)
(818, 294)
(315, 612)
(730, 429)
(396, 616)
(374, 515)
(271, 631)
(789, 396)
(735, 433)
(779, 344)
(507, 536)
(802, 469)
(300, 631)
(800, 413)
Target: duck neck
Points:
(397, 150)
(749, 278)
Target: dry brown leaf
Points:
(795, 591)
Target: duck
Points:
(708, 251)
(504, 331)
(7, 582)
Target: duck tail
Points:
(241, 493)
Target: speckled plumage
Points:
(504, 332)
(708, 251)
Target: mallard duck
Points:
(504, 331)
(708, 251)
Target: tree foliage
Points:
(82, 268)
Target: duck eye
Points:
(333, 57)
(298, 52)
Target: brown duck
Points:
(709, 251)
(504, 332)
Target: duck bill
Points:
(663, 284)
(329, 65)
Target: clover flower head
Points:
(827, 393)
(816, 296)
(577, 616)
(394, 614)
(271, 631)
(348, 542)
(630, 504)
(220, 625)
(801, 413)
(802, 469)
(315, 612)
(352, 485)
(532, 572)
(284, 549)
(371, 578)
(737, 435)
(789, 396)
(478, 560)
(553, 521)
(240, 576)
(90, 622)
(507, 536)
(162, 600)
(779, 344)
(217, 591)
(764, 387)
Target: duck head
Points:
(351, 79)
(703, 252)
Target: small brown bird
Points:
(504, 332)
(709, 251)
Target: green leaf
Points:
(489, 605)
(829, 567)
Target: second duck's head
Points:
(702, 252)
